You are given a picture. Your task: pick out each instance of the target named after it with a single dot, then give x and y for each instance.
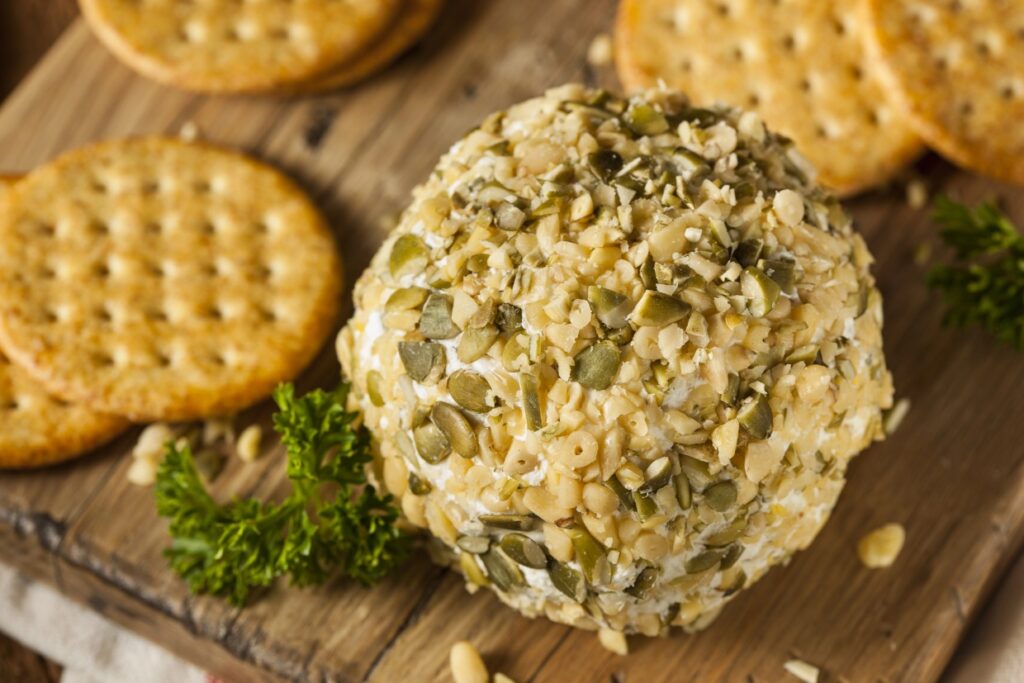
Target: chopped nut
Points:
(613, 641)
(802, 670)
(466, 664)
(600, 51)
(248, 445)
(881, 547)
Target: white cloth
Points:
(90, 648)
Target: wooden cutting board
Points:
(952, 475)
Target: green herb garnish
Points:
(332, 521)
(986, 286)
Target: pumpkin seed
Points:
(702, 562)
(734, 583)
(508, 487)
(782, 273)
(509, 521)
(549, 207)
(657, 309)
(605, 163)
(509, 216)
(620, 336)
(477, 263)
(645, 581)
(471, 391)
(624, 494)
(502, 571)
(419, 487)
(755, 416)
(721, 496)
(658, 473)
(484, 316)
(531, 401)
(209, 463)
(493, 192)
(568, 580)
(732, 390)
(408, 255)
(524, 550)
(610, 307)
(436, 319)
(509, 318)
(643, 119)
(731, 556)
(457, 429)
(478, 545)
(471, 570)
(589, 553)
(406, 298)
(761, 291)
(475, 342)
(647, 274)
(373, 382)
(424, 361)
(431, 443)
(696, 471)
(683, 492)
(595, 367)
(805, 354)
(747, 252)
(646, 507)
(728, 535)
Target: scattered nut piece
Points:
(600, 51)
(613, 641)
(189, 131)
(502, 678)
(917, 194)
(466, 664)
(218, 429)
(802, 670)
(142, 471)
(881, 547)
(248, 446)
(152, 440)
(893, 418)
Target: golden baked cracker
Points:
(36, 428)
(163, 280)
(797, 63)
(237, 46)
(411, 23)
(957, 70)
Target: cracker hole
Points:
(956, 7)
(163, 359)
(686, 65)
(202, 186)
(150, 187)
(805, 85)
(982, 47)
(102, 270)
(99, 228)
(840, 26)
(268, 314)
(966, 108)
(233, 34)
(722, 8)
(737, 53)
(156, 315)
(46, 229)
(214, 313)
(789, 43)
(50, 315)
(12, 404)
(153, 228)
(753, 99)
(874, 119)
(208, 228)
(99, 185)
(104, 315)
(264, 271)
(48, 272)
(857, 72)
(821, 132)
(103, 359)
(156, 269)
(210, 269)
(279, 33)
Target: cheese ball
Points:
(617, 355)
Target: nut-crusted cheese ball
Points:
(617, 356)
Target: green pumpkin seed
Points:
(696, 471)
(755, 416)
(624, 494)
(568, 580)
(605, 163)
(721, 496)
(645, 581)
(549, 207)
(733, 584)
(373, 382)
(657, 310)
(471, 391)
(648, 275)
(209, 463)
(419, 487)
(731, 556)
(436, 319)
(493, 192)
(502, 571)
(782, 273)
(508, 487)
(683, 492)
(431, 443)
(595, 367)
(424, 361)
(477, 263)
(643, 119)
(457, 429)
(732, 390)
(408, 255)
(747, 252)
(761, 291)
(702, 562)
(646, 507)
(728, 535)
(509, 318)
(406, 298)
(515, 355)
(471, 570)
(475, 342)
(658, 473)
(620, 336)
(589, 553)
(524, 550)
(509, 216)
(500, 148)
(610, 307)
(478, 545)
(531, 401)
(512, 522)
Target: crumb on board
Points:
(189, 131)
(881, 547)
(917, 194)
(893, 418)
(613, 641)
(466, 664)
(248, 445)
(808, 673)
(600, 51)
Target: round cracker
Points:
(37, 429)
(957, 69)
(797, 63)
(163, 280)
(412, 23)
(237, 47)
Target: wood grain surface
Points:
(953, 474)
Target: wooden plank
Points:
(953, 475)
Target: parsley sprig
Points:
(986, 285)
(332, 520)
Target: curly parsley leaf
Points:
(333, 521)
(985, 287)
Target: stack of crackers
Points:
(271, 46)
(859, 85)
(152, 280)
